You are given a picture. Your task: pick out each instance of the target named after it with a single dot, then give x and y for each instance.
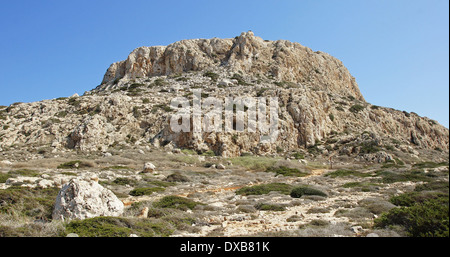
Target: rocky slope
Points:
(321, 109)
(112, 153)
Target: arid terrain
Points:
(107, 163)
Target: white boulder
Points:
(80, 199)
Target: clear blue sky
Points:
(398, 50)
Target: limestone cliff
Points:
(281, 60)
(321, 110)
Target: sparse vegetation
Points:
(253, 162)
(356, 108)
(269, 207)
(176, 177)
(424, 219)
(36, 203)
(389, 177)
(118, 227)
(74, 165)
(345, 173)
(176, 202)
(265, 189)
(145, 191)
(286, 171)
(331, 116)
(298, 192)
(212, 75)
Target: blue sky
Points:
(398, 50)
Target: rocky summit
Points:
(358, 155)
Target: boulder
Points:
(220, 166)
(149, 167)
(80, 199)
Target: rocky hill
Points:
(321, 109)
(110, 160)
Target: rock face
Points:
(81, 199)
(149, 167)
(321, 109)
(281, 59)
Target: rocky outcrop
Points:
(321, 109)
(251, 55)
(81, 199)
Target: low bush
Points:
(118, 227)
(285, 171)
(212, 75)
(426, 219)
(402, 176)
(356, 108)
(29, 202)
(423, 165)
(269, 207)
(411, 198)
(74, 165)
(254, 162)
(24, 173)
(265, 189)
(346, 173)
(306, 190)
(124, 181)
(176, 177)
(176, 202)
(145, 191)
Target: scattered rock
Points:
(80, 199)
(220, 166)
(149, 167)
(356, 229)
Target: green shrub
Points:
(24, 173)
(426, 219)
(239, 79)
(411, 198)
(356, 108)
(269, 207)
(176, 202)
(189, 151)
(265, 189)
(136, 112)
(124, 181)
(369, 147)
(31, 202)
(253, 162)
(74, 165)
(158, 83)
(163, 107)
(145, 191)
(306, 190)
(345, 173)
(401, 176)
(423, 165)
(118, 227)
(285, 171)
(4, 177)
(331, 116)
(212, 75)
(209, 153)
(176, 177)
(440, 186)
(298, 156)
(365, 186)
